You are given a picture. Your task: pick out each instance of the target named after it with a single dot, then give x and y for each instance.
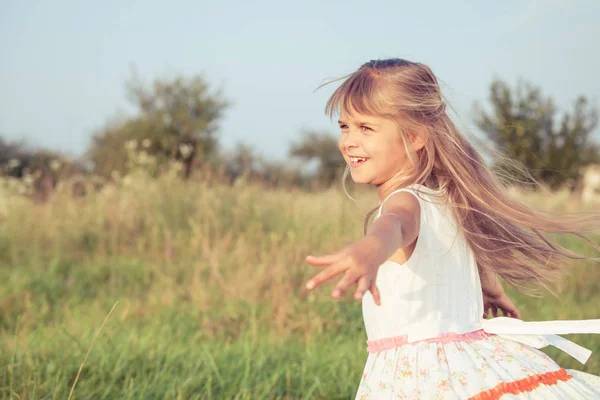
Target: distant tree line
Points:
(524, 125)
(177, 120)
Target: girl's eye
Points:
(363, 128)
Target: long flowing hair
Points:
(506, 235)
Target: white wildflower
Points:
(131, 144)
(176, 166)
(55, 165)
(186, 150)
(28, 180)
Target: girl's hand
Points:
(499, 302)
(494, 297)
(359, 265)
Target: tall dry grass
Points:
(209, 284)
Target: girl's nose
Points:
(351, 140)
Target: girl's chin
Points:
(357, 178)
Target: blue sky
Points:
(64, 62)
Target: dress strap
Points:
(390, 195)
(414, 189)
(544, 333)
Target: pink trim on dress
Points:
(378, 345)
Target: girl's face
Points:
(372, 147)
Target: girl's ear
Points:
(417, 139)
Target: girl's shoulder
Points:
(416, 199)
(421, 192)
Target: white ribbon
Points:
(542, 334)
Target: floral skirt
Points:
(478, 367)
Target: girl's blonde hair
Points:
(504, 234)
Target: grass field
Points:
(209, 285)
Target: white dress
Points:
(428, 339)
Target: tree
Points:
(42, 168)
(281, 173)
(321, 147)
(242, 160)
(523, 126)
(177, 120)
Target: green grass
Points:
(208, 282)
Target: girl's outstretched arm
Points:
(397, 227)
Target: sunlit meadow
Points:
(208, 285)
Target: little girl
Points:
(428, 268)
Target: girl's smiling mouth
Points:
(357, 161)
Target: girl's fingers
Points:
(348, 279)
(320, 261)
(515, 312)
(361, 289)
(325, 275)
(494, 310)
(375, 292)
